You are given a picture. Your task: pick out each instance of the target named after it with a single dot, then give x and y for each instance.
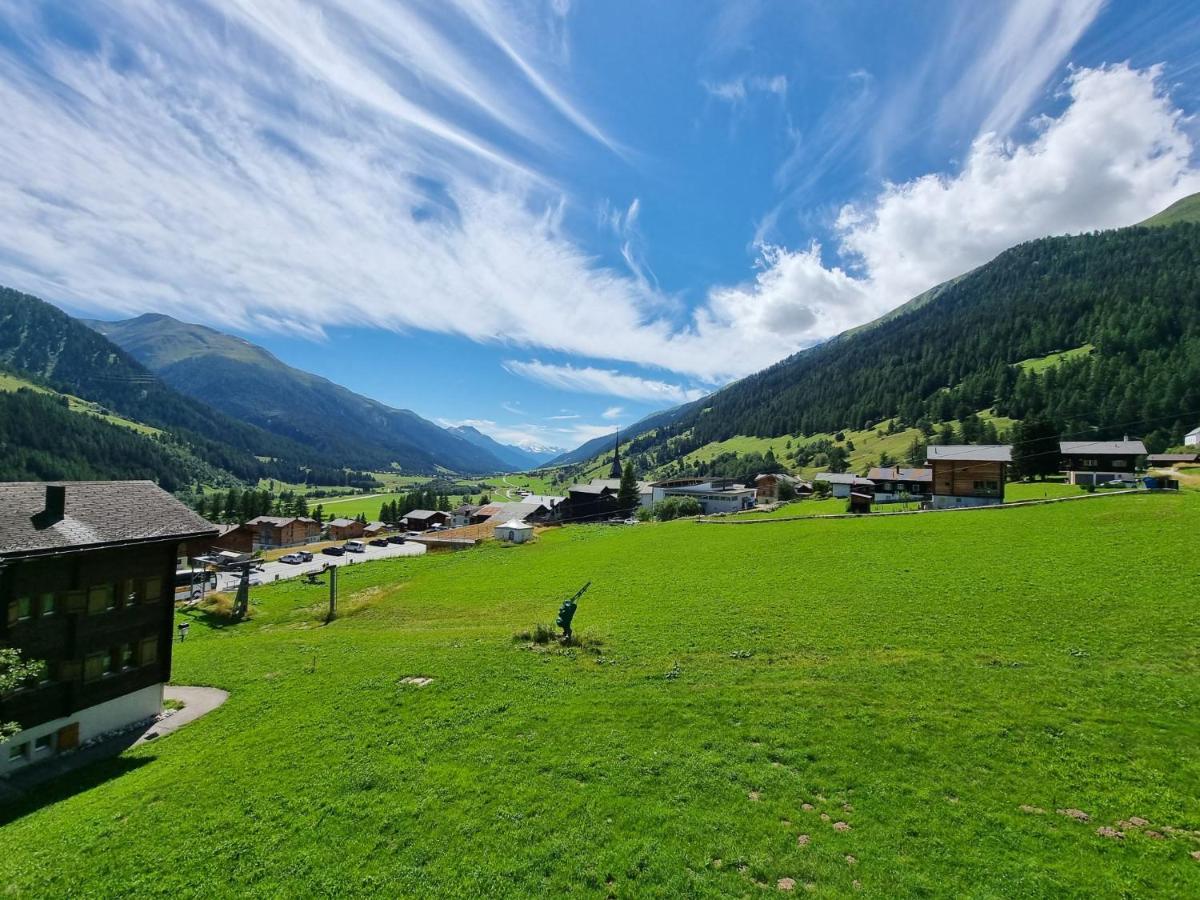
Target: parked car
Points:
(412, 534)
(334, 551)
(396, 539)
(378, 542)
(292, 559)
(354, 547)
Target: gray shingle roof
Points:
(421, 515)
(899, 473)
(970, 452)
(95, 513)
(1102, 448)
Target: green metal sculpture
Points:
(566, 612)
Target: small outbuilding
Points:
(1192, 438)
(514, 532)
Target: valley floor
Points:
(942, 685)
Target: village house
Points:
(375, 529)
(968, 474)
(766, 486)
(896, 484)
(87, 584)
(462, 515)
(344, 529)
(587, 503)
(424, 519)
(842, 484)
(1097, 462)
(268, 533)
(1192, 438)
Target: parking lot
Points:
(274, 571)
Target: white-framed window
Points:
(44, 744)
(18, 752)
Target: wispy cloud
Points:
(590, 380)
(613, 412)
(736, 90)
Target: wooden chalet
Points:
(424, 519)
(968, 474)
(895, 484)
(1097, 462)
(1170, 460)
(87, 586)
(766, 486)
(269, 533)
(344, 529)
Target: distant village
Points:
(90, 572)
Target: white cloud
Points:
(326, 165)
(1117, 154)
(613, 412)
(590, 380)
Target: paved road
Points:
(197, 701)
(276, 571)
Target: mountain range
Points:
(247, 382)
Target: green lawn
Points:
(1040, 490)
(1040, 364)
(919, 678)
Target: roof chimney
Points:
(56, 503)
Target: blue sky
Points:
(549, 217)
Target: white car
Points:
(354, 547)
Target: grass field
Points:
(918, 678)
(1040, 364)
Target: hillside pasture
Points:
(908, 705)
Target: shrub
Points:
(822, 489)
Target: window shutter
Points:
(12, 612)
(93, 667)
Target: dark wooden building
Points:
(269, 533)
(424, 519)
(87, 585)
(1097, 462)
(968, 474)
(894, 484)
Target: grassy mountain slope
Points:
(249, 383)
(1185, 210)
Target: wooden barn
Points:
(968, 474)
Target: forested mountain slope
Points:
(249, 383)
(43, 341)
(1132, 294)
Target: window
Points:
(24, 609)
(148, 651)
(18, 752)
(987, 487)
(44, 744)
(126, 656)
(94, 666)
(110, 662)
(100, 599)
(48, 605)
(130, 593)
(153, 590)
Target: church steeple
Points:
(615, 471)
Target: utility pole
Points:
(241, 605)
(331, 571)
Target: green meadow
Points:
(892, 706)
